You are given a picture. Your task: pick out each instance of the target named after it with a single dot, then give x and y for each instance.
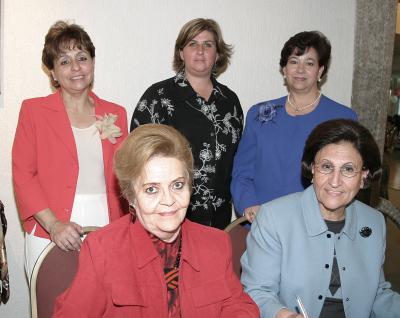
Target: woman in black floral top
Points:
(208, 113)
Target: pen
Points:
(301, 306)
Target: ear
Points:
(53, 75)
(364, 175)
(284, 70)
(320, 71)
(312, 171)
(181, 55)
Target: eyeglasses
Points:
(348, 170)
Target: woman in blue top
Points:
(268, 161)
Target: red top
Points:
(121, 275)
(45, 162)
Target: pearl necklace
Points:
(299, 109)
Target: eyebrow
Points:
(193, 40)
(346, 163)
(156, 183)
(298, 57)
(64, 53)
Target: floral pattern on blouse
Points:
(213, 128)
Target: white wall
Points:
(134, 45)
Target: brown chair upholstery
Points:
(389, 210)
(53, 272)
(238, 234)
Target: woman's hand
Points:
(66, 235)
(251, 212)
(285, 313)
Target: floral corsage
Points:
(107, 128)
(267, 112)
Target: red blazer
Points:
(121, 275)
(45, 162)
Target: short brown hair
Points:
(145, 142)
(60, 36)
(189, 31)
(336, 131)
(301, 42)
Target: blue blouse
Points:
(267, 164)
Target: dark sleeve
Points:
(149, 108)
(240, 116)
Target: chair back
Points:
(389, 210)
(52, 274)
(238, 234)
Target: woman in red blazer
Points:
(155, 263)
(63, 149)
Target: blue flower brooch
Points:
(267, 112)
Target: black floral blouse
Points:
(213, 128)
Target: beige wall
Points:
(134, 41)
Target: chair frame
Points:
(38, 264)
(235, 223)
(237, 250)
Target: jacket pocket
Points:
(210, 293)
(125, 294)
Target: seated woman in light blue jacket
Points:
(321, 245)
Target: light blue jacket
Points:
(290, 252)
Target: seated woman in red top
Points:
(154, 263)
(63, 149)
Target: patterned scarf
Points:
(170, 255)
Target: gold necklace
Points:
(297, 108)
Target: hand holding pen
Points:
(301, 307)
(285, 313)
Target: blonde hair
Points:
(145, 142)
(189, 31)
